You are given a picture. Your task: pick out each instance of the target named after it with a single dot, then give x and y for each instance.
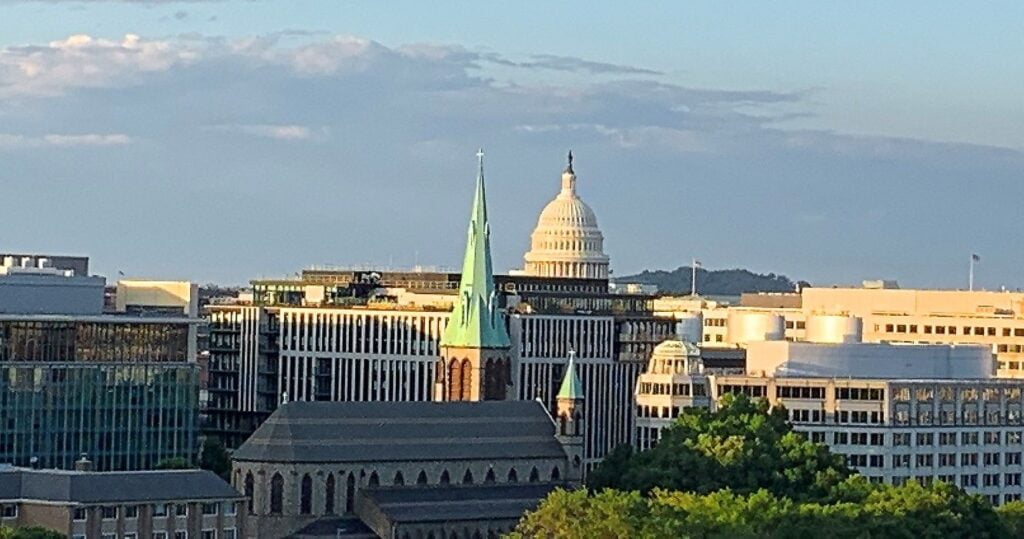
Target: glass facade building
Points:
(123, 416)
(123, 390)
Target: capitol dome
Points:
(567, 241)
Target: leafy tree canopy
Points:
(859, 510)
(175, 463)
(32, 532)
(742, 446)
(214, 457)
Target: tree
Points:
(31, 532)
(174, 463)
(743, 446)
(860, 511)
(214, 457)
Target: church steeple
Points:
(476, 321)
(475, 363)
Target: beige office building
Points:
(994, 319)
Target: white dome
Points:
(567, 241)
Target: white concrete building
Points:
(897, 412)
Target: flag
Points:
(696, 263)
(975, 258)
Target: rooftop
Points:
(403, 431)
(79, 487)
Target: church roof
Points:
(457, 503)
(571, 387)
(476, 321)
(403, 432)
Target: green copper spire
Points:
(571, 388)
(476, 321)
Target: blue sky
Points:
(226, 140)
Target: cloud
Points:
(568, 63)
(279, 132)
(15, 141)
(341, 149)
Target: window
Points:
(181, 510)
(208, 534)
(181, 534)
(969, 480)
(230, 508)
(131, 511)
(947, 459)
(10, 510)
(108, 536)
(227, 533)
(901, 438)
(210, 508)
(992, 459)
(306, 495)
(160, 510)
(992, 438)
(1012, 479)
(109, 512)
(1012, 458)
(947, 438)
(130, 536)
(79, 514)
(968, 438)
(969, 459)
(925, 438)
(925, 461)
(159, 535)
(876, 461)
(901, 461)
(82, 536)
(277, 494)
(991, 480)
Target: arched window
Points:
(276, 494)
(534, 475)
(350, 492)
(329, 495)
(563, 424)
(374, 480)
(467, 478)
(250, 487)
(467, 380)
(489, 478)
(306, 496)
(399, 478)
(421, 479)
(445, 479)
(490, 384)
(513, 477)
(455, 380)
(556, 475)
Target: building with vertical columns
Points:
(567, 242)
(475, 362)
(896, 412)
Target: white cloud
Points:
(15, 141)
(279, 132)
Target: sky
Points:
(222, 141)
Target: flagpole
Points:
(970, 274)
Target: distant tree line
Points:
(728, 282)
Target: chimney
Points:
(83, 464)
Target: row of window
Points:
(922, 439)
(678, 390)
(949, 394)
(111, 512)
(928, 329)
(943, 460)
(226, 533)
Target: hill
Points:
(728, 282)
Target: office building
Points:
(121, 388)
(896, 411)
(81, 504)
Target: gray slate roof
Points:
(458, 502)
(403, 431)
(111, 487)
